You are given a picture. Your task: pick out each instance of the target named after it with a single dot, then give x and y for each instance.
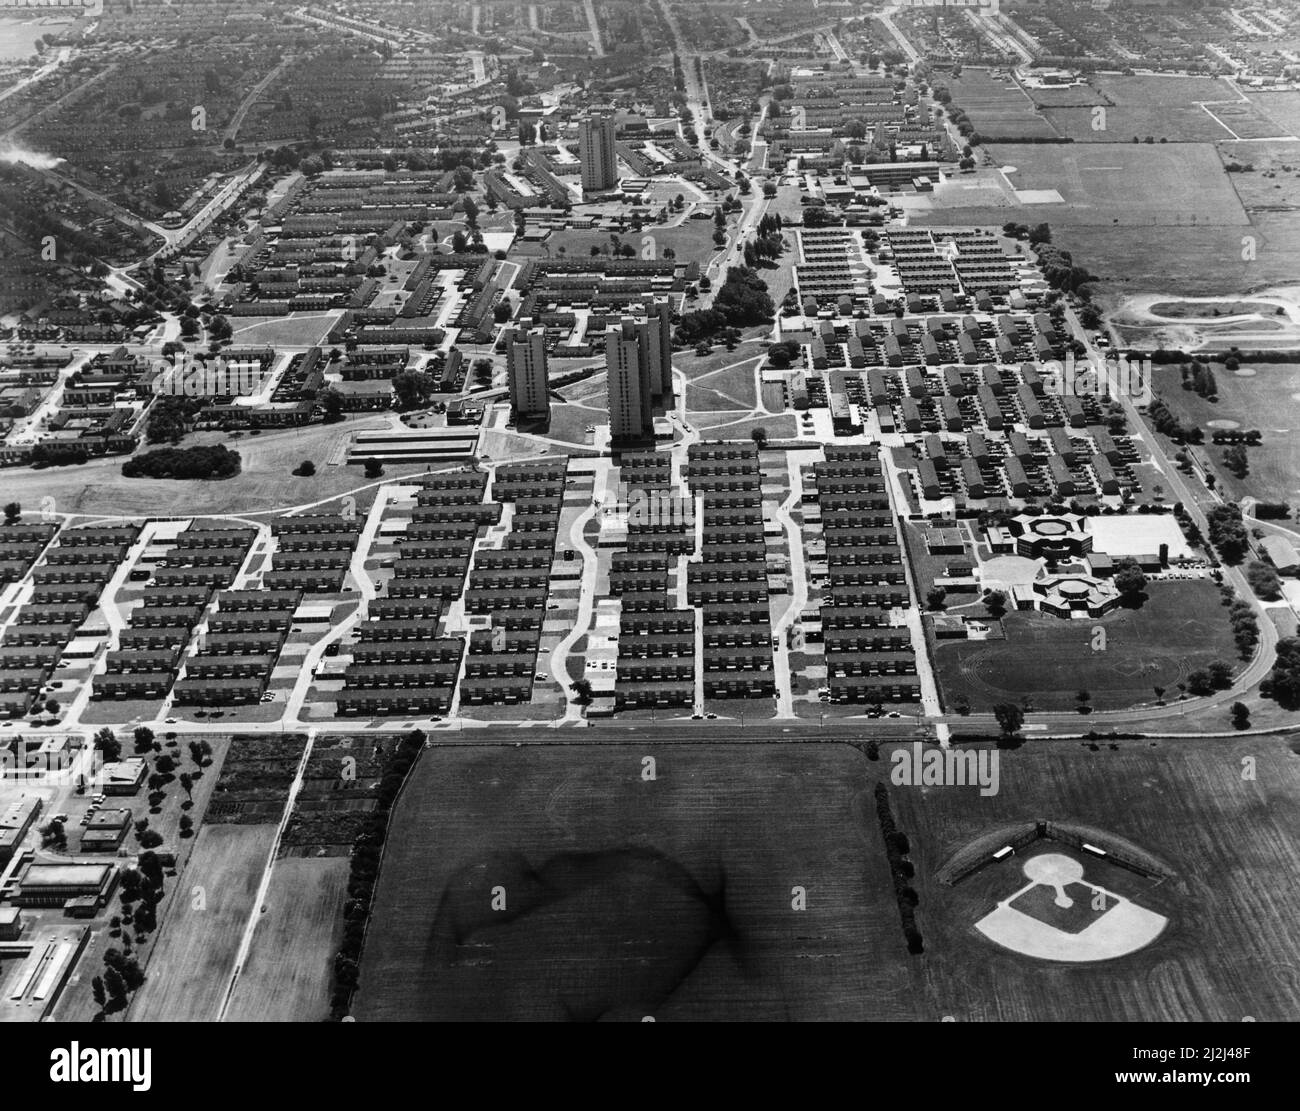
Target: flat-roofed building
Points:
(597, 152)
(631, 413)
(527, 369)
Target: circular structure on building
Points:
(1055, 537)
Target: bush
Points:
(305, 469)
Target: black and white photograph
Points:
(725, 511)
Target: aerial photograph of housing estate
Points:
(626, 510)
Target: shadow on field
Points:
(653, 920)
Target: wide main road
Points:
(697, 97)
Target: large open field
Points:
(1228, 951)
(1179, 628)
(1138, 184)
(189, 970)
(672, 899)
(1266, 397)
(997, 107)
(1282, 108)
(1173, 123)
(287, 976)
(265, 482)
(626, 898)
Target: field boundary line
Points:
(264, 885)
(379, 872)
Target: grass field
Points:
(1176, 259)
(297, 330)
(672, 898)
(1175, 123)
(1269, 400)
(627, 898)
(1179, 628)
(733, 380)
(1228, 951)
(997, 108)
(1282, 108)
(691, 240)
(189, 970)
(264, 483)
(1128, 184)
(287, 976)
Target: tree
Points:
(1084, 698)
(186, 826)
(305, 469)
(53, 833)
(1220, 673)
(13, 513)
(995, 601)
(373, 468)
(413, 388)
(97, 991)
(1160, 693)
(330, 400)
(1199, 682)
(132, 975)
(108, 745)
(759, 436)
(934, 597)
(1240, 715)
(165, 764)
(1010, 718)
(144, 738)
(582, 690)
(115, 987)
(151, 838)
(1129, 579)
(187, 784)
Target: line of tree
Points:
(1164, 422)
(367, 850)
(1228, 533)
(1241, 616)
(1198, 377)
(1282, 684)
(901, 869)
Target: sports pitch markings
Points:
(1060, 916)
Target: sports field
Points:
(625, 897)
(1128, 184)
(287, 977)
(1179, 628)
(1174, 123)
(189, 970)
(1228, 949)
(673, 899)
